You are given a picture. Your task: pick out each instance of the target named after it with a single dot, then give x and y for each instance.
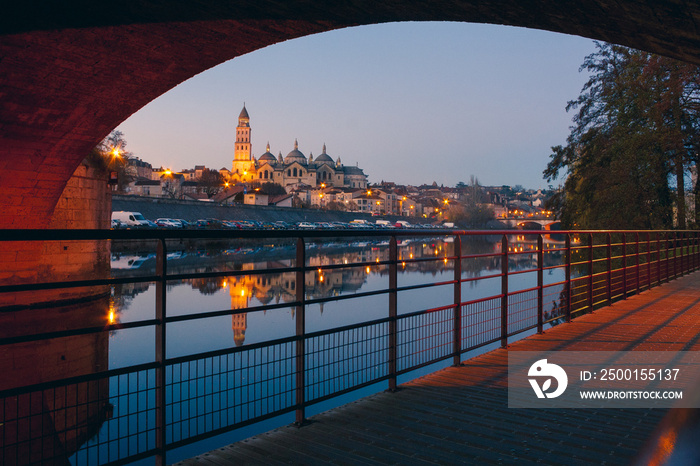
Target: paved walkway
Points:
(460, 414)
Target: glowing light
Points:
(242, 292)
(410, 256)
(320, 278)
(111, 318)
(403, 264)
(377, 260)
(367, 269)
(168, 172)
(345, 261)
(116, 152)
(445, 260)
(226, 184)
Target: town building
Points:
(291, 172)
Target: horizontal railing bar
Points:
(227, 351)
(74, 332)
(78, 379)
(345, 328)
(424, 312)
(223, 430)
(517, 332)
(520, 272)
(476, 279)
(512, 293)
(344, 391)
(75, 284)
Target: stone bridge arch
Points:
(73, 70)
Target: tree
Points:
(111, 155)
(635, 129)
(211, 182)
(272, 189)
(336, 205)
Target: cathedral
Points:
(293, 171)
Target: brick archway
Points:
(72, 72)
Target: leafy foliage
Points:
(636, 129)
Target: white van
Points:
(130, 219)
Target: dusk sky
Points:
(411, 103)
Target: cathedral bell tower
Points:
(243, 163)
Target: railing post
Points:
(636, 254)
(504, 291)
(669, 265)
(161, 313)
(609, 277)
(649, 259)
(695, 250)
(457, 325)
(675, 255)
(393, 311)
(568, 277)
(540, 283)
(684, 261)
(658, 258)
(590, 271)
(300, 281)
(624, 265)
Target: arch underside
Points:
(74, 71)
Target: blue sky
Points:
(409, 102)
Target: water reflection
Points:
(71, 413)
(257, 284)
(46, 424)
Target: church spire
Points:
(324, 147)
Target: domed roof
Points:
(324, 157)
(295, 155)
(267, 156)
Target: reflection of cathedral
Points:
(294, 169)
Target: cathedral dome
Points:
(324, 157)
(267, 156)
(295, 155)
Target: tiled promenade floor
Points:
(460, 414)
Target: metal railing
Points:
(115, 416)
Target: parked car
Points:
(130, 219)
(168, 223)
(209, 224)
